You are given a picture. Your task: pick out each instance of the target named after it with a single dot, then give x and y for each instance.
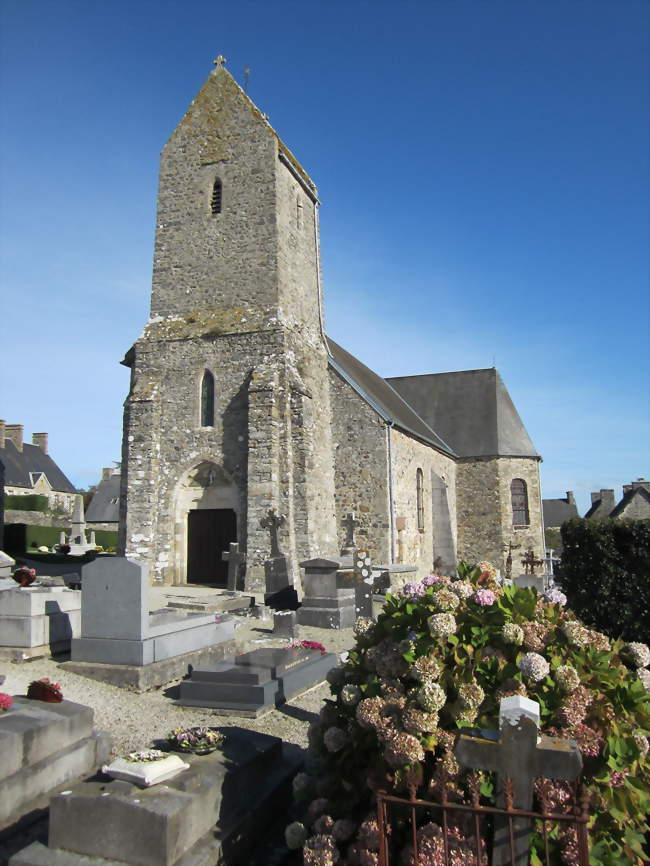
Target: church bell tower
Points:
(228, 412)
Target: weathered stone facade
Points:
(484, 509)
(238, 403)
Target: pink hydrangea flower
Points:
(484, 597)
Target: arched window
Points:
(419, 491)
(519, 499)
(207, 400)
(215, 202)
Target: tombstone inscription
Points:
(518, 756)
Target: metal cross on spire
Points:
(219, 61)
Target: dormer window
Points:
(207, 400)
(215, 201)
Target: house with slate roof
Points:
(634, 504)
(239, 402)
(103, 510)
(558, 511)
(29, 469)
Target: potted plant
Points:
(45, 690)
(198, 740)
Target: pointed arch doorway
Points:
(207, 509)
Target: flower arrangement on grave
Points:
(145, 756)
(308, 644)
(45, 690)
(24, 576)
(441, 656)
(198, 740)
(6, 701)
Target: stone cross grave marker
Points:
(273, 522)
(350, 524)
(235, 560)
(518, 756)
(529, 562)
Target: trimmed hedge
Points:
(605, 574)
(106, 538)
(29, 502)
(25, 538)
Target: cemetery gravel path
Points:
(135, 720)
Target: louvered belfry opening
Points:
(215, 203)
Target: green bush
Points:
(30, 502)
(106, 538)
(23, 538)
(605, 573)
(440, 657)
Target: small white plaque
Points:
(145, 773)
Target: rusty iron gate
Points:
(474, 815)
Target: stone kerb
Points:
(43, 746)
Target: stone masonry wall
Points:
(485, 509)
(637, 509)
(414, 546)
(361, 469)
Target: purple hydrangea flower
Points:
(554, 596)
(413, 589)
(484, 597)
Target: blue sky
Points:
(483, 171)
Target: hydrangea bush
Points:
(440, 657)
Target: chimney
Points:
(607, 499)
(570, 498)
(2, 433)
(106, 473)
(641, 483)
(15, 433)
(40, 440)
(595, 497)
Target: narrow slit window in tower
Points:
(207, 400)
(419, 490)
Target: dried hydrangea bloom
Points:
(386, 659)
(317, 807)
(328, 714)
(363, 626)
(445, 600)
(369, 835)
(401, 748)
(425, 668)
(574, 709)
(636, 653)
(567, 678)
(417, 721)
(575, 633)
(431, 697)
(470, 696)
(336, 676)
(534, 667)
(350, 695)
(433, 579)
(510, 687)
(295, 835)
(442, 624)
(462, 588)
(301, 784)
(536, 635)
(598, 641)
(641, 743)
(320, 850)
(314, 734)
(512, 633)
(368, 712)
(335, 739)
(487, 569)
(589, 741)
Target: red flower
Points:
(5, 701)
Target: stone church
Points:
(239, 402)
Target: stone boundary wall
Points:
(36, 518)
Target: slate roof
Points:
(628, 496)
(104, 507)
(598, 509)
(470, 410)
(384, 399)
(557, 511)
(19, 464)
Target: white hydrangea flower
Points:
(567, 678)
(295, 835)
(350, 695)
(534, 667)
(638, 653)
(513, 633)
(441, 624)
(431, 697)
(334, 739)
(462, 588)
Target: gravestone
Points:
(350, 525)
(43, 746)
(361, 580)
(531, 581)
(214, 812)
(284, 623)
(255, 682)
(120, 638)
(38, 620)
(280, 593)
(235, 560)
(325, 604)
(6, 564)
(518, 754)
(393, 577)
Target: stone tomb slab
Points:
(255, 682)
(38, 620)
(219, 602)
(212, 813)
